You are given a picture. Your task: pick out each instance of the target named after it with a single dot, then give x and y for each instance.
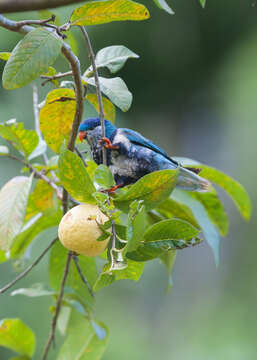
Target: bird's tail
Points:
(190, 181)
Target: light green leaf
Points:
(48, 219)
(203, 2)
(109, 108)
(113, 57)
(25, 141)
(3, 256)
(97, 345)
(56, 117)
(57, 263)
(31, 57)
(104, 177)
(4, 150)
(214, 208)
(51, 72)
(153, 188)
(74, 177)
(39, 150)
(101, 12)
(17, 336)
(115, 89)
(5, 55)
(136, 226)
(168, 259)
(35, 290)
(13, 203)
(162, 4)
(63, 319)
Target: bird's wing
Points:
(140, 140)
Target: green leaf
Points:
(56, 117)
(51, 72)
(172, 208)
(13, 202)
(164, 6)
(35, 290)
(39, 150)
(109, 108)
(101, 12)
(23, 357)
(153, 188)
(209, 231)
(133, 271)
(86, 339)
(17, 336)
(40, 199)
(104, 177)
(231, 186)
(4, 150)
(168, 259)
(48, 219)
(115, 89)
(57, 263)
(3, 256)
(136, 226)
(203, 2)
(5, 55)
(31, 57)
(214, 208)
(113, 57)
(63, 319)
(74, 177)
(25, 141)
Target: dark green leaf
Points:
(152, 188)
(104, 177)
(17, 336)
(74, 177)
(31, 57)
(13, 203)
(162, 4)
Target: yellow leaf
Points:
(56, 117)
(109, 108)
(40, 199)
(100, 12)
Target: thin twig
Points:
(35, 22)
(54, 77)
(76, 261)
(25, 272)
(58, 306)
(98, 90)
(81, 156)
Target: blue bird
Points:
(131, 156)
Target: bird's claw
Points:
(108, 144)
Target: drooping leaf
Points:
(168, 259)
(231, 186)
(63, 319)
(136, 226)
(4, 150)
(203, 2)
(57, 263)
(172, 208)
(101, 12)
(13, 203)
(152, 188)
(56, 117)
(74, 177)
(209, 230)
(113, 57)
(109, 108)
(35, 290)
(25, 141)
(31, 57)
(104, 177)
(214, 208)
(97, 344)
(162, 4)
(40, 199)
(133, 271)
(48, 219)
(115, 89)
(5, 55)
(17, 336)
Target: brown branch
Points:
(58, 306)
(98, 90)
(35, 22)
(54, 77)
(26, 271)
(76, 261)
(11, 6)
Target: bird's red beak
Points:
(82, 135)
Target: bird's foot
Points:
(112, 189)
(108, 144)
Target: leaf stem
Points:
(97, 84)
(58, 307)
(76, 261)
(29, 268)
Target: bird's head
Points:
(91, 124)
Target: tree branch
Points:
(58, 306)
(54, 77)
(25, 272)
(76, 261)
(98, 90)
(11, 6)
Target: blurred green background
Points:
(195, 94)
